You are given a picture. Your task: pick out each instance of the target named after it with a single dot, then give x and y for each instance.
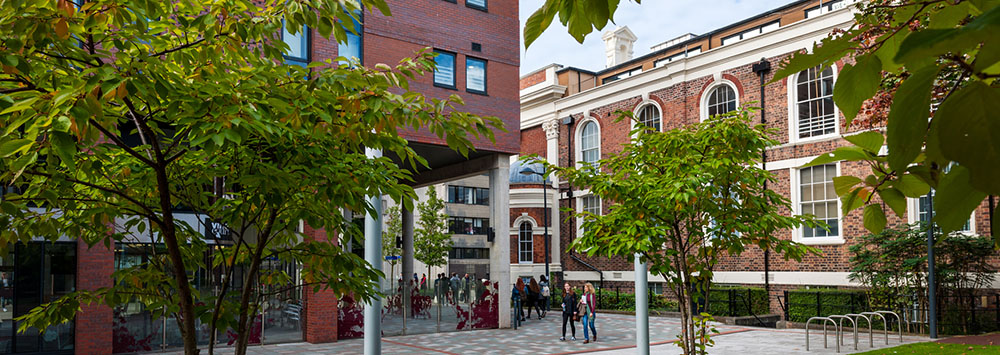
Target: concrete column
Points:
(641, 308)
(500, 221)
(552, 156)
(407, 257)
(373, 255)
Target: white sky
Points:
(655, 21)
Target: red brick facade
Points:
(320, 309)
(680, 105)
(93, 322)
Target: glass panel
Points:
(476, 3)
(352, 48)
(297, 47)
(444, 73)
(475, 75)
(6, 303)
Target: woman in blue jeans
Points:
(588, 302)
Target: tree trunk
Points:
(246, 319)
(180, 272)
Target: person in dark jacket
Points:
(568, 310)
(534, 295)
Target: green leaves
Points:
(824, 54)
(856, 84)
(908, 117)
(955, 199)
(579, 16)
(15, 146)
(934, 42)
(969, 133)
(870, 141)
(874, 219)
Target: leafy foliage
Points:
(579, 16)
(893, 263)
(911, 56)
(822, 302)
(431, 240)
(681, 201)
(117, 113)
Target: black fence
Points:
(956, 313)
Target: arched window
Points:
(590, 140)
(525, 243)
(814, 103)
(649, 116)
(721, 99)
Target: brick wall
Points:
(680, 105)
(538, 241)
(94, 322)
(319, 316)
(532, 79)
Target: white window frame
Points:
(642, 106)
(708, 92)
(578, 149)
(798, 233)
(579, 208)
(793, 110)
(531, 241)
(913, 216)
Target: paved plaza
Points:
(616, 335)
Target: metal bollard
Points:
(841, 323)
(885, 324)
(825, 320)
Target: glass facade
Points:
(298, 45)
(34, 274)
(353, 47)
(469, 195)
(469, 225)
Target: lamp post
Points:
(545, 206)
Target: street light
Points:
(527, 171)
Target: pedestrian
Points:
(589, 305)
(519, 294)
(423, 282)
(546, 293)
(454, 288)
(568, 310)
(467, 284)
(534, 294)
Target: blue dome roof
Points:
(517, 178)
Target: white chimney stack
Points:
(618, 45)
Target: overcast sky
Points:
(655, 21)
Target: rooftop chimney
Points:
(618, 45)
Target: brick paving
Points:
(616, 335)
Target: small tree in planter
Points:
(681, 199)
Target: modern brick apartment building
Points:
(567, 117)
(478, 44)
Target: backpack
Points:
(545, 291)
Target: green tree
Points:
(431, 240)
(681, 200)
(393, 230)
(116, 112)
(911, 57)
(579, 16)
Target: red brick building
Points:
(567, 117)
(478, 44)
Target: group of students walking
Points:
(535, 295)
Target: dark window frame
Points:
(486, 76)
(483, 8)
(307, 39)
(454, 69)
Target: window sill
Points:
(477, 92)
(814, 139)
(821, 240)
(474, 7)
(443, 86)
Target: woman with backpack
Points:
(546, 292)
(568, 310)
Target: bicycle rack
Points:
(885, 324)
(841, 321)
(899, 323)
(825, 320)
(871, 337)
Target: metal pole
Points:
(545, 206)
(931, 289)
(641, 308)
(762, 68)
(373, 255)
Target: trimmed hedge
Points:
(733, 301)
(802, 304)
(609, 300)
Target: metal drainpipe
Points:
(762, 68)
(931, 288)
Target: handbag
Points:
(580, 309)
